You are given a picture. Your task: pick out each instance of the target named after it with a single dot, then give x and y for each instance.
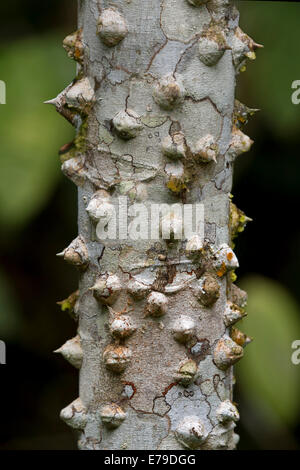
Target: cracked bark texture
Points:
(154, 110)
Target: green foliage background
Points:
(30, 132)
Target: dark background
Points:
(38, 219)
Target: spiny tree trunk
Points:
(154, 110)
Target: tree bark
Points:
(154, 110)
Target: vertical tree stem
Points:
(153, 105)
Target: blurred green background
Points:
(38, 219)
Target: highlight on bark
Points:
(156, 121)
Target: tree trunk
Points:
(153, 106)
